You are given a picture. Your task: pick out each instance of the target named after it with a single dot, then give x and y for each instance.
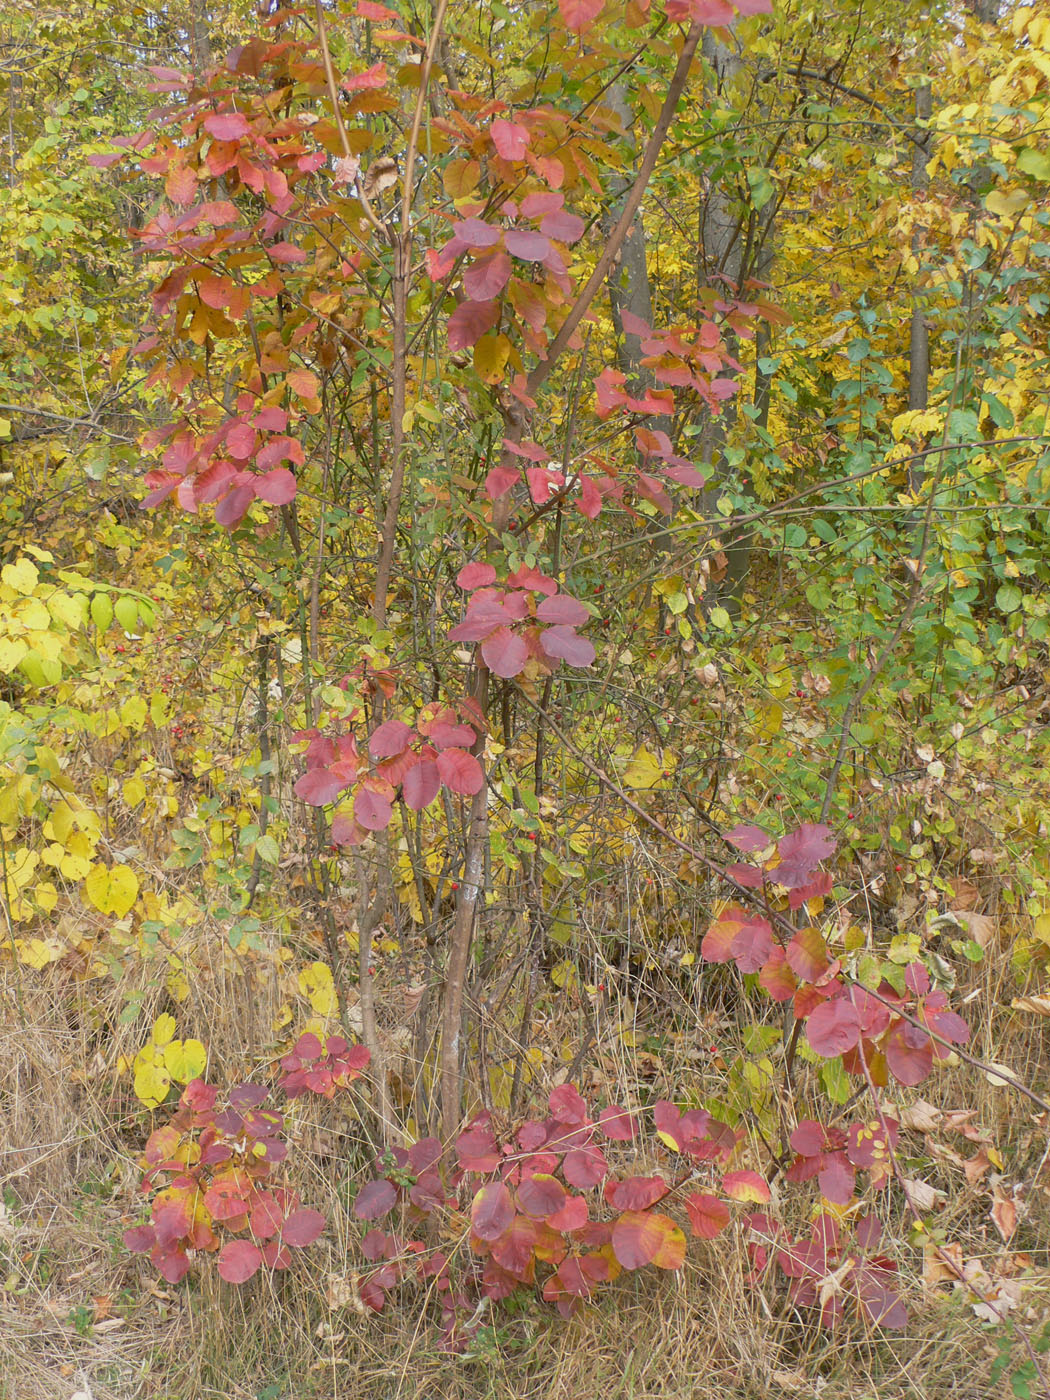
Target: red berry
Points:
(454, 885)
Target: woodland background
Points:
(846, 623)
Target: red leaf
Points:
(636, 1193)
(375, 1199)
(476, 575)
(277, 487)
(568, 645)
(469, 322)
(584, 1167)
(746, 1186)
(541, 1195)
(563, 609)
(477, 1151)
(565, 227)
(390, 739)
(302, 1227)
(374, 77)
(567, 1104)
(808, 1138)
(834, 1028)
(140, 1239)
(527, 244)
(460, 772)
(578, 15)
(421, 784)
(492, 1211)
(372, 809)
(708, 1216)
(807, 953)
(509, 138)
(368, 9)
(226, 126)
(909, 1053)
(487, 276)
(647, 1237)
(617, 1124)
(239, 1260)
(505, 653)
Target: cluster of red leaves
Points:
(879, 1032)
(494, 612)
(547, 1210)
(413, 762)
(209, 1171)
(831, 1268)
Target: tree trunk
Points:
(629, 283)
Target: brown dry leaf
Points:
(937, 1264)
(967, 895)
(921, 1117)
(1038, 1006)
(982, 928)
(976, 1167)
(924, 1196)
(1004, 1214)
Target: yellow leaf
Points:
(134, 791)
(315, 982)
(490, 357)
(185, 1059)
(133, 712)
(22, 576)
(112, 890)
(645, 770)
(163, 1029)
(46, 896)
(38, 952)
(152, 1082)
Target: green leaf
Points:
(1035, 163)
(1008, 598)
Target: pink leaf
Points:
(469, 322)
(476, 233)
(226, 126)
(374, 77)
(372, 809)
(277, 487)
(487, 277)
(510, 138)
(475, 575)
(286, 253)
(492, 1211)
(568, 645)
(375, 1199)
(833, 1028)
(302, 1227)
(578, 15)
(527, 244)
(636, 1193)
(567, 1104)
(239, 1260)
(747, 838)
(460, 772)
(318, 787)
(499, 481)
(390, 739)
(563, 609)
(563, 226)
(505, 653)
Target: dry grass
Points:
(77, 1313)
